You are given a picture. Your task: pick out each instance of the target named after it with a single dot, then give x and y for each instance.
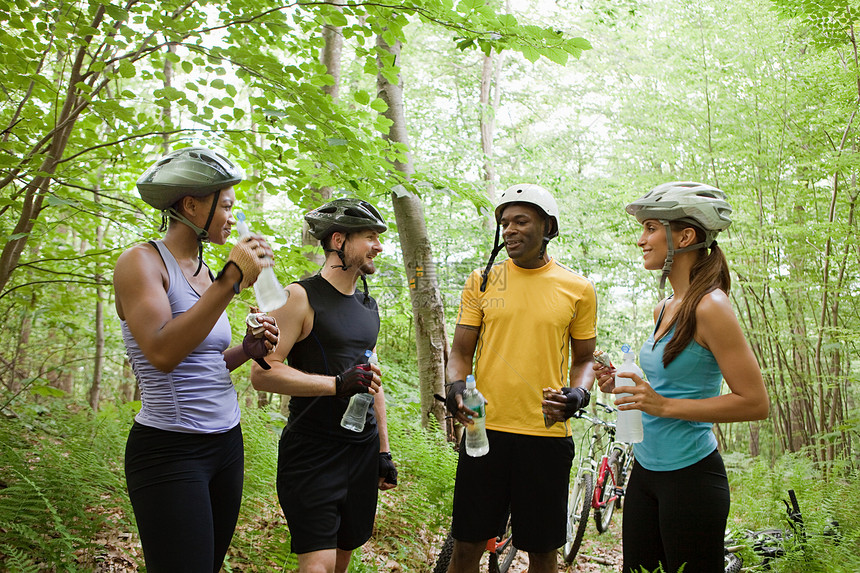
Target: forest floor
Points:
(120, 550)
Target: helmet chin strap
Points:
(341, 256)
(202, 234)
(670, 254)
(345, 267)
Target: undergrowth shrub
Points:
(62, 491)
(758, 491)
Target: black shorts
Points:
(328, 491)
(529, 474)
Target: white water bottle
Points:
(268, 291)
(356, 412)
(477, 444)
(628, 426)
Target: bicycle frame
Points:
(602, 475)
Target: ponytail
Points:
(709, 272)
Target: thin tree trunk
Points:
(429, 318)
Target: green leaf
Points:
(530, 53)
(42, 390)
(379, 105)
(126, 69)
(362, 97)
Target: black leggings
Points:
(676, 517)
(186, 490)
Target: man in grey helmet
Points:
(329, 476)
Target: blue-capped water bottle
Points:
(628, 426)
(356, 412)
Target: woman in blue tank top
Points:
(677, 500)
(184, 458)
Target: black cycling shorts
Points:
(529, 474)
(185, 490)
(328, 491)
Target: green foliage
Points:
(410, 515)
(62, 492)
(759, 491)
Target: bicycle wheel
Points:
(501, 559)
(603, 513)
(445, 554)
(578, 506)
(733, 562)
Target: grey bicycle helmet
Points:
(344, 215)
(191, 171)
(533, 195)
(699, 204)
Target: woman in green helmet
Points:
(184, 456)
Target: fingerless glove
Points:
(355, 380)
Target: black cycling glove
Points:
(451, 392)
(355, 380)
(575, 399)
(387, 471)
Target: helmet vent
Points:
(355, 213)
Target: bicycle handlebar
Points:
(582, 413)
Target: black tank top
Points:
(345, 326)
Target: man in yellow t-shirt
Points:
(528, 323)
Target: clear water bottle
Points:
(356, 412)
(269, 292)
(477, 444)
(628, 427)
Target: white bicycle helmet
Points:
(699, 204)
(534, 195)
(530, 194)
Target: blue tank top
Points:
(669, 443)
(198, 395)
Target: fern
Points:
(17, 560)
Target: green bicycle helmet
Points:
(698, 204)
(344, 215)
(194, 171)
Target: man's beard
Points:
(364, 264)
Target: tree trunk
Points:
(330, 57)
(99, 359)
(429, 319)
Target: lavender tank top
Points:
(198, 395)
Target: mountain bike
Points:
(771, 544)
(500, 548)
(599, 481)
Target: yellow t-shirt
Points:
(526, 319)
